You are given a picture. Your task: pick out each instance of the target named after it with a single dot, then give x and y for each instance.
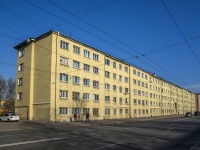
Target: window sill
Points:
(95, 100)
(64, 98)
(107, 101)
(76, 83)
(86, 99)
(64, 81)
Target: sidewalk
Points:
(114, 121)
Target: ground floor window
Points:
(86, 110)
(107, 111)
(75, 110)
(63, 110)
(95, 111)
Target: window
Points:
(86, 96)
(126, 90)
(139, 102)
(64, 45)
(114, 111)
(126, 111)
(76, 80)
(95, 84)
(120, 89)
(63, 77)
(107, 62)
(21, 53)
(121, 111)
(95, 111)
(134, 71)
(146, 76)
(86, 82)
(120, 100)
(138, 73)
(21, 67)
(142, 84)
(126, 80)
(138, 83)
(139, 92)
(86, 67)
(120, 66)
(76, 49)
(114, 64)
(107, 98)
(63, 61)
(126, 100)
(75, 110)
(19, 96)
(20, 81)
(107, 74)
(86, 110)
(95, 97)
(134, 82)
(114, 76)
(114, 99)
(76, 64)
(135, 111)
(75, 95)
(95, 70)
(87, 53)
(143, 102)
(96, 57)
(126, 69)
(114, 87)
(120, 78)
(63, 94)
(142, 75)
(107, 111)
(134, 91)
(63, 110)
(107, 86)
(135, 101)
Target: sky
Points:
(159, 36)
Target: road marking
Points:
(31, 142)
(10, 130)
(108, 146)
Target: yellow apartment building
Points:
(58, 76)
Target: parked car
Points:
(196, 113)
(9, 117)
(188, 114)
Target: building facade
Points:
(58, 76)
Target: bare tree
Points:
(3, 88)
(10, 93)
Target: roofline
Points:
(108, 55)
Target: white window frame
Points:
(95, 57)
(86, 67)
(107, 86)
(75, 80)
(63, 110)
(20, 81)
(76, 50)
(76, 64)
(120, 67)
(126, 79)
(21, 53)
(95, 111)
(86, 96)
(125, 68)
(63, 77)
(95, 97)
(107, 62)
(114, 76)
(107, 74)
(86, 53)
(63, 94)
(107, 98)
(114, 65)
(63, 61)
(75, 110)
(64, 45)
(86, 82)
(95, 83)
(20, 96)
(95, 70)
(107, 111)
(21, 67)
(75, 95)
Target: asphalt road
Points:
(168, 133)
